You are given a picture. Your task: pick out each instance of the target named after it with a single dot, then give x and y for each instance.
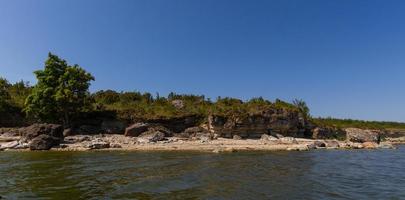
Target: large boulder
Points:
(363, 135)
(35, 130)
(136, 129)
(44, 142)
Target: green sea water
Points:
(323, 174)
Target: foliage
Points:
(61, 91)
(302, 106)
(4, 95)
(350, 123)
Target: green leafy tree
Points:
(4, 95)
(62, 91)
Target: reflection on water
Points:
(359, 174)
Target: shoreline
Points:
(122, 143)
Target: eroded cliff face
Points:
(274, 121)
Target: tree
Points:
(4, 95)
(61, 92)
(302, 106)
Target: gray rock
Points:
(98, 144)
(319, 144)
(237, 137)
(9, 145)
(136, 129)
(298, 148)
(362, 135)
(67, 132)
(153, 136)
(76, 139)
(33, 131)
(386, 146)
(116, 146)
(332, 144)
(268, 137)
(113, 127)
(288, 140)
(44, 142)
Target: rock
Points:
(153, 136)
(327, 133)
(88, 129)
(237, 137)
(22, 146)
(355, 145)
(136, 129)
(76, 139)
(370, 145)
(386, 146)
(113, 127)
(179, 104)
(195, 129)
(67, 132)
(116, 146)
(9, 132)
(288, 140)
(311, 146)
(332, 144)
(97, 144)
(192, 132)
(271, 120)
(298, 148)
(31, 132)
(279, 136)
(361, 135)
(268, 137)
(319, 144)
(44, 142)
(9, 145)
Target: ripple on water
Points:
(358, 174)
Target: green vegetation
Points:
(350, 123)
(61, 94)
(61, 91)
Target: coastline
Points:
(116, 142)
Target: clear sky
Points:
(345, 58)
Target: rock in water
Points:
(44, 142)
(319, 144)
(386, 146)
(370, 145)
(136, 129)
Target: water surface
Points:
(325, 174)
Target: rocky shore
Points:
(155, 137)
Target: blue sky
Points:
(345, 58)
